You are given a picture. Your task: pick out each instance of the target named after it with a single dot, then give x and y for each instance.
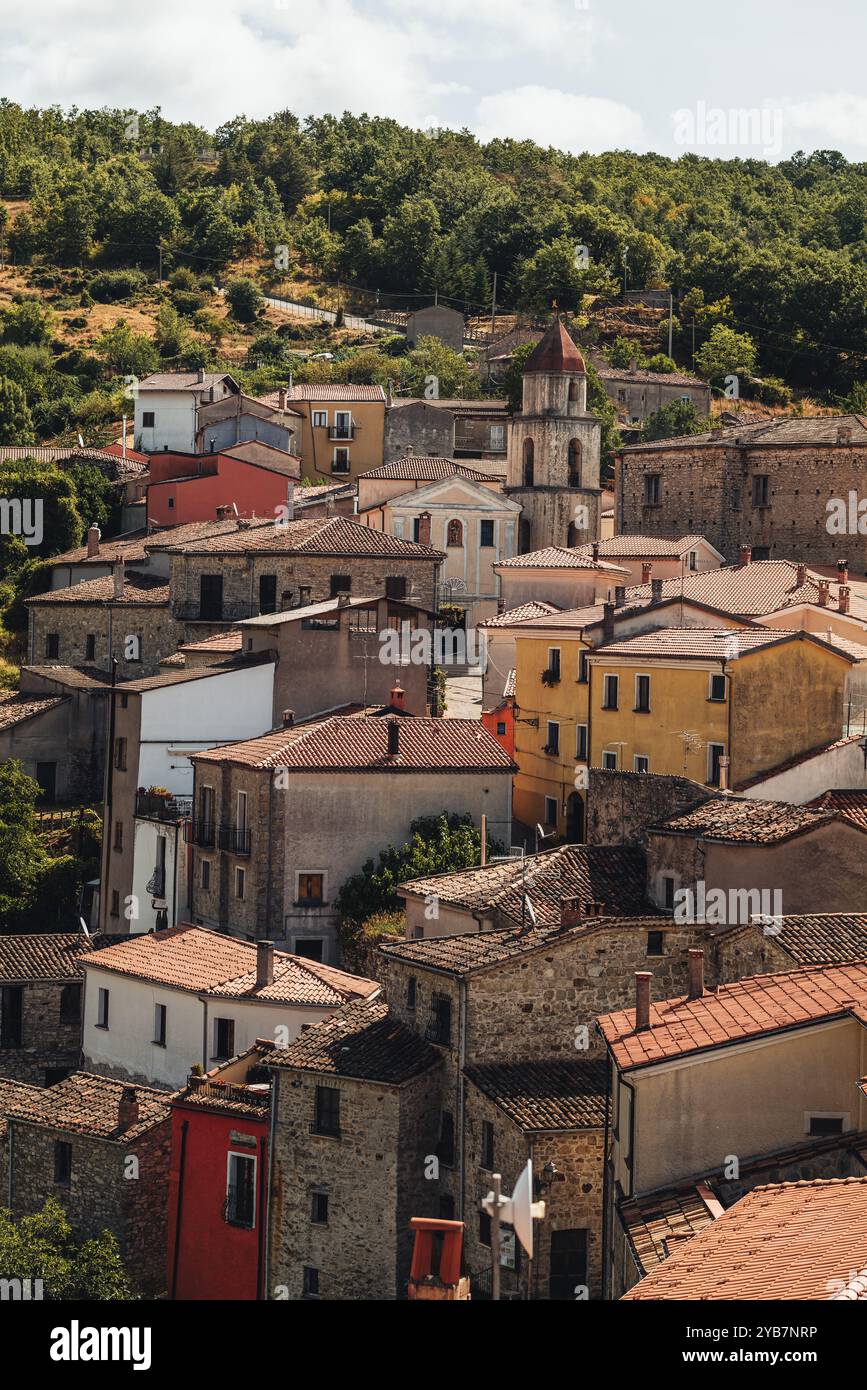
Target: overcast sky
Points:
(590, 75)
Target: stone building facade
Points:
(621, 805)
(102, 1149)
(785, 488)
(122, 617)
(41, 985)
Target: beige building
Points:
(646, 558)
(340, 430)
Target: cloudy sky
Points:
(757, 78)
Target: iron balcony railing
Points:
(156, 885)
(201, 833)
(234, 838)
(164, 808)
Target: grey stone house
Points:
(41, 986)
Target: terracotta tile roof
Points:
(337, 535)
(613, 875)
(17, 1100)
(685, 643)
(555, 352)
(424, 468)
(851, 804)
(750, 1008)
(138, 589)
(359, 743)
(75, 677)
(792, 430)
(18, 706)
(642, 376)
(657, 1223)
(163, 537)
(830, 938)
(88, 1104)
(485, 950)
(335, 391)
(50, 453)
(43, 956)
(509, 687)
(183, 381)
(182, 674)
(746, 822)
(643, 547)
(363, 1041)
(129, 548)
(556, 557)
(798, 1240)
(524, 612)
(208, 962)
(547, 1095)
(229, 641)
(745, 591)
(796, 761)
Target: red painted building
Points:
(190, 487)
(501, 721)
(218, 1181)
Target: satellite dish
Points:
(519, 1210)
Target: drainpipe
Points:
(462, 1057)
(181, 1171)
(260, 1252)
(204, 1033)
(107, 800)
(606, 1185)
(272, 1129)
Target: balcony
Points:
(342, 433)
(156, 885)
(162, 806)
(200, 832)
(235, 839)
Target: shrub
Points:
(110, 286)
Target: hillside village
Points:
(438, 752)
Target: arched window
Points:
(574, 463)
(528, 463)
(455, 533)
(573, 390)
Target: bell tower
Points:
(555, 448)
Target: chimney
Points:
(746, 555)
(607, 622)
(844, 434)
(619, 595)
(824, 590)
(264, 963)
(127, 1108)
(342, 598)
(596, 552)
(282, 397)
(200, 375)
(424, 529)
(222, 512)
(696, 973)
(389, 398)
(724, 765)
(118, 577)
(633, 364)
(288, 718)
(570, 912)
(642, 999)
(93, 534)
(843, 598)
(842, 571)
(501, 604)
(801, 577)
(594, 909)
(646, 571)
(303, 595)
(656, 590)
(393, 738)
(397, 697)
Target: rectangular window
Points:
(102, 1009)
(320, 419)
(241, 811)
(487, 1144)
(224, 1039)
(824, 1125)
(62, 1163)
(326, 1112)
(693, 559)
(411, 992)
(267, 593)
(319, 1209)
(761, 492)
(642, 694)
(416, 529)
(11, 1016)
(717, 688)
(552, 745)
(240, 883)
(70, 1004)
(341, 584)
(395, 586)
(171, 502)
(446, 1145)
(115, 902)
(440, 1030)
(118, 834)
(310, 1282)
(550, 810)
(611, 690)
(311, 889)
(342, 424)
(654, 943)
(52, 646)
(652, 489)
(206, 873)
(583, 667)
(640, 763)
(581, 742)
(90, 647)
(554, 662)
(501, 727)
(484, 1228)
(160, 1025)
(496, 438)
(310, 947)
(668, 893)
(609, 761)
(486, 533)
(148, 419)
(241, 1190)
(120, 754)
(714, 752)
(340, 461)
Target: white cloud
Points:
(563, 119)
(836, 121)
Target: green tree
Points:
(726, 353)
(27, 323)
(436, 845)
(245, 299)
(16, 422)
(172, 335)
(42, 1246)
(676, 418)
(432, 366)
(126, 353)
(62, 527)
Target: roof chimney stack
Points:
(843, 598)
(596, 552)
(393, 738)
(746, 554)
(571, 914)
(642, 999)
(801, 576)
(342, 598)
(619, 595)
(646, 571)
(844, 434)
(824, 590)
(282, 397)
(724, 765)
(608, 622)
(696, 973)
(118, 577)
(397, 697)
(200, 375)
(656, 590)
(93, 534)
(264, 963)
(842, 571)
(127, 1108)
(288, 718)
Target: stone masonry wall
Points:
(46, 1040)
(621, 805)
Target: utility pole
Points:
(485, 831)
(496, 1180)
(160, 252)
(494, 308)
(107, 804)
(625, 254)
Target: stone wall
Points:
(158, 633)
(47, 1042)
(621, 805)
(420, 426)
